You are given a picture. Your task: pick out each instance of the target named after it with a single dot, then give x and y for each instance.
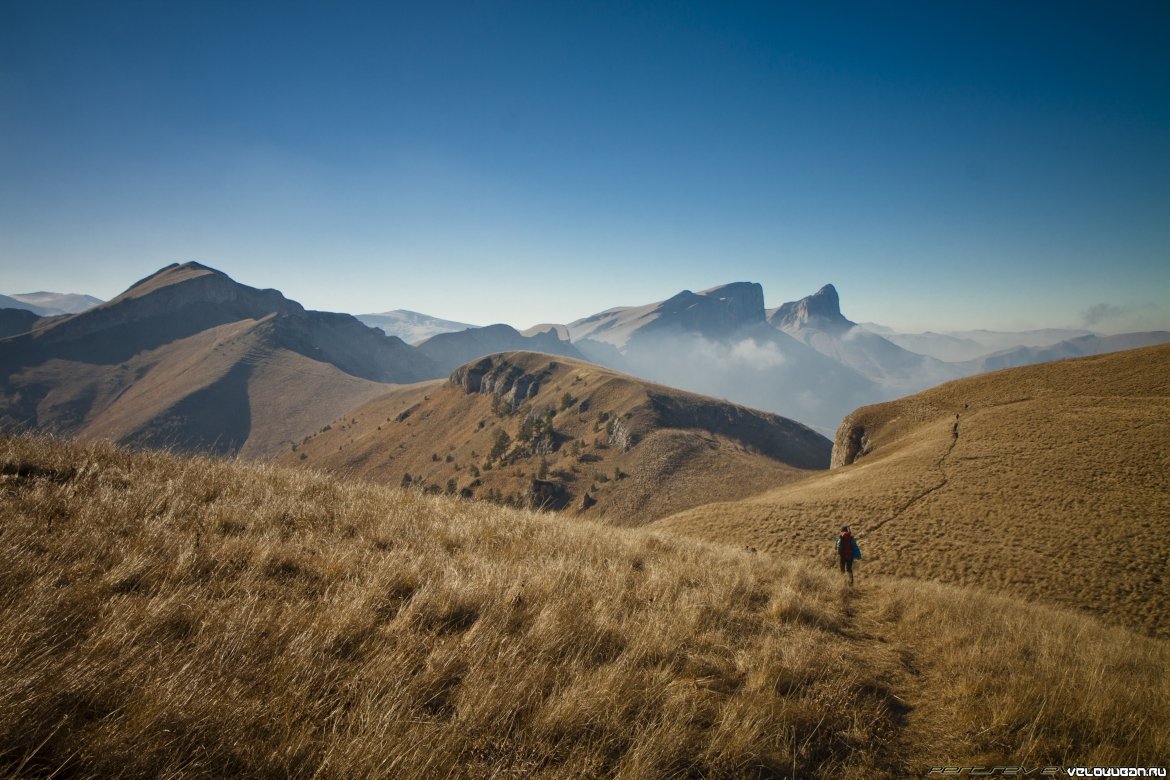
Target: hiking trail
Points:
(940, 466)
(869, 620)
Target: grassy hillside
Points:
(1056, 489)
(166, 617)
(578, 437)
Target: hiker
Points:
(847, 550)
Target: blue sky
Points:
(946, 165)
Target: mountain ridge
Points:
(536, 429)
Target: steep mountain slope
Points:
(447, 351)
(191, 359)
(818, 322)
(1056, 488)
(411, 326)
(16, 321)
(535, 430)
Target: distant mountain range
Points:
(450, 350)
(191, 359)
(48, 304)
(962, 345)
(803, 359)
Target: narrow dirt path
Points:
(894, 664)
(939, 466)
(871, 619)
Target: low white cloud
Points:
(754, 354)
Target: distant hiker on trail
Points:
(847, 550)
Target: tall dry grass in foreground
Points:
(167, 617)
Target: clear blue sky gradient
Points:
(946, 165)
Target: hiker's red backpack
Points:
(845, 546)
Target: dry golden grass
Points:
(168, 618)
(1057, 489)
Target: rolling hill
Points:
(539, 430)
(1056, 489)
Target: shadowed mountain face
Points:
(16, 321)
(189, 358)
(1009, 481)
(539, 430)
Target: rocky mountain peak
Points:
(820, 310)
(744, 301)
(714, 312)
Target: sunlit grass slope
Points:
(1056, 489)
(165, 617)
